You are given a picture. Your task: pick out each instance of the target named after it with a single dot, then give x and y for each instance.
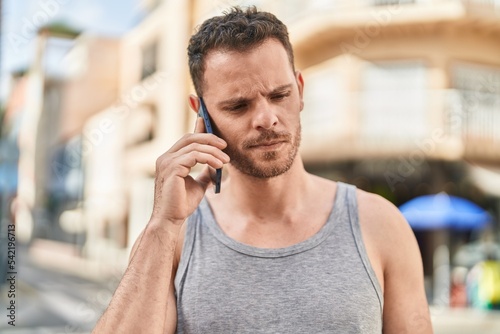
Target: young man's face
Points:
(254, 100)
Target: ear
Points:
(300, 85)
(194, 102)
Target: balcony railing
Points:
(391, 2)
(474, 117)
(490, 3)
(459, 124)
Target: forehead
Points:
(241, 73)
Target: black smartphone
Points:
(203, 112)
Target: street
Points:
(52, 302)
(465, 321)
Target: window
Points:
(140, 127)
(478, 90)
(393, 101)
(149, 60)
(325, 104)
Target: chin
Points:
(265, 169)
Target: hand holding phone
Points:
(203, 112)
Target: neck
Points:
(277, 196)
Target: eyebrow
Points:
(281, 88)
(241, 100)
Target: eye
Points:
(280, 96)
(236, 107)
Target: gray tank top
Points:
(324, 284)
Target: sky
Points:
(21, 18)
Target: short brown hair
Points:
(236, 30)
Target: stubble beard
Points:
(267, 164)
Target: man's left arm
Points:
(405, 304)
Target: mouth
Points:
(270, 145)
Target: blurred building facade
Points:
(9, 158)
(413, 85)
(57, 101)
(402, 98)
(131, 133)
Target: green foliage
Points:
(61, 29)
(2, 114)
(20, 72)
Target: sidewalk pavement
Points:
(465, 321)
(50, 301)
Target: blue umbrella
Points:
(432, 212)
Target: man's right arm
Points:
(141, 301)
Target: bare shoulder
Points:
(384, 214)
(384, 225)
(395, 256)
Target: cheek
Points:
(219, 127)
(229, 131)
(232, 128)
(288, 121)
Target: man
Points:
(278, 250)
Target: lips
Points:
(267, 144)
(268, 139)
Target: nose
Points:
(264, 116)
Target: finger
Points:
(197, 147)
(188, 161)
(193, 158)
(201, 138)
(199, 126)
